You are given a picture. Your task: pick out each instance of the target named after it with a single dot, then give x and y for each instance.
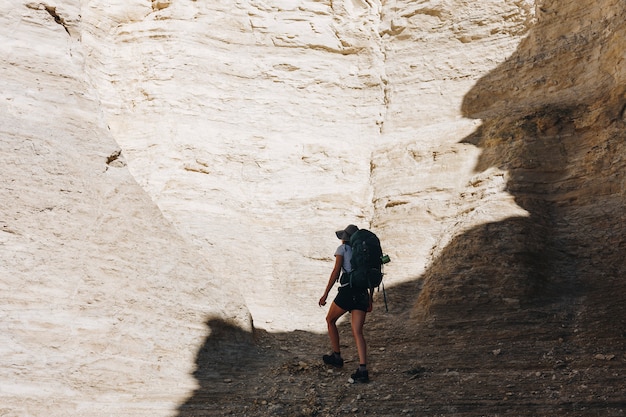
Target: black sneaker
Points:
(360, 376)
(333, 360)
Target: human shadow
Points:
(228, 355)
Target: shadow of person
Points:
(249, 373)
(553, 119)
(228, 355)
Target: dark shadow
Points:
(553, 118)
(241, 373)
(229, 358)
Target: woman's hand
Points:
(322, 301)
(334, 276)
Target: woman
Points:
(357, 301)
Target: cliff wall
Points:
(173, 165)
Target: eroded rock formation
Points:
(175, 170)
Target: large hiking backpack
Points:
(366, 260)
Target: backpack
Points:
(366, 260)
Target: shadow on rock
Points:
(554, 121)
(229, 359)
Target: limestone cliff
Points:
(102, 300)
(260, 128)
(176, 164)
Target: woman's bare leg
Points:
(334, 312)
(358, 320)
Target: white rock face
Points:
(103, 301)
(252, 127)
(249, 132)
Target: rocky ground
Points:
(537, 362)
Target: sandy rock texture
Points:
(174, 171)
(103, 301)
(251, 126)
(260, 128)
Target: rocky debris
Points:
(430, 368)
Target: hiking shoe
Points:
(360, 376)
(333, 360)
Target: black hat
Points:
(347, 232)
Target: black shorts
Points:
(349, 299)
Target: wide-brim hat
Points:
(347, 232)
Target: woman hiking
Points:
(357, 301)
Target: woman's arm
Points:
(334, 276)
